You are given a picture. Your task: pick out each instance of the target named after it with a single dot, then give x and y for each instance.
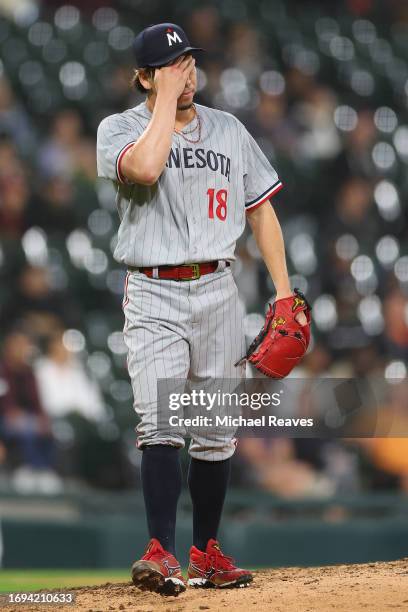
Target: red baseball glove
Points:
(282, 342)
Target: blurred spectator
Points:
(57, 156)
(396, 323)
(247, 276)
(270, 121)
(275, 468)
(316, 363)
(353, 216)
(119, 93)
(354, 211)
(10, 164)
(85, 198)
(86, 158)
(14, 199)
(3, 454)
(14, 121)
(35, 302)
(356, 156)
(54, 210)
(64, 385)
(299, 84)
(366, 362)
(320, 139)
(76, 407)
(303, 467)
(388, 450)
(205, 30)
(243, 49)
(25, 427)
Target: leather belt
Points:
(184, 272)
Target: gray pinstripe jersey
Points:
(196, 210)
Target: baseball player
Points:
(187, 177)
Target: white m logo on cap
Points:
(173, 37)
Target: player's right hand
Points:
(172, 79)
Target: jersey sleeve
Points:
(261, 180)
(115, 136)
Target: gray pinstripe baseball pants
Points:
(182, 330)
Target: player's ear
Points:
(145, 77)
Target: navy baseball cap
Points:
(160, 44)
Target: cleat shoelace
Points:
(149, 552)
(148, 555)
(219, 561)
(152, 552)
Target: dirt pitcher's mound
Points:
(370, 587)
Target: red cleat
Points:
(214, 569)
(158, 571)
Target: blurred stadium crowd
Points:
(323, 87)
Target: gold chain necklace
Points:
(197, 126)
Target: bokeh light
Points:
(116, 343)
(387, 199)
(387, 250)
(345, 118)
(325, 312)
(395, 371)
(73, 340)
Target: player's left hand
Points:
(284, 338)
(300, 317)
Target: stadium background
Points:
(323, 87)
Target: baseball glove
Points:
(282, 342)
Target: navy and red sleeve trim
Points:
(121, 177)
(250, 206)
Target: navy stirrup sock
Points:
(207, 481)
(161, 483)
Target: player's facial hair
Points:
(183, 108)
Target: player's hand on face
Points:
(172, 79)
